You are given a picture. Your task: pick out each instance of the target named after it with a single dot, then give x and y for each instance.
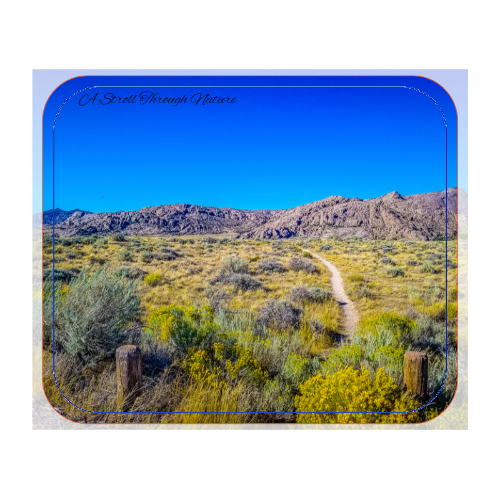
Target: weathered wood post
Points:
(415, 374)
(128, 374)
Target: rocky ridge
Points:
(414, 217)
(180, 219)
(58, 215)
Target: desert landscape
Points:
(302, 315)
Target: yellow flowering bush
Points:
(209, 365)
(185, 327)
(350, 390)
(245, 366)
(200, 366)
(153, 279)
(219, 351)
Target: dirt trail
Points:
(350, 315)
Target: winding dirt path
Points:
(350, 315)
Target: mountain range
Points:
(57, 215)
(414, 217)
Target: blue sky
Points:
(274, 147)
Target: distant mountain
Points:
(415, 217)
(180, 219)
(58, 215)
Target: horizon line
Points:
(247, 209)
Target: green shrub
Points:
(217, 298)
(80, 240)
(125, 254)
(364, 292)
(59, 275)
(167, 254)
(395, 271)
(317, 327)
(280, 315)
(387, 260)
(235, 265)
(242, 282)
(134, 273)
(91, 316)
(119, 237)
(121, 272)
(96, 260)
(427, 267)
(271, 266)
(302, 265)
(146, 257)
(432, 256)
(276, 397)
(296, 370)
(47, 240)
(302, 294)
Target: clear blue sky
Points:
(272, 148)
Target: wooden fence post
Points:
(415, 374)
(128, 374)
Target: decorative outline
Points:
(251, 86)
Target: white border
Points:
(253, 433)
(249, 433)
(252, 66)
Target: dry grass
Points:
(373, 290)
(186, 278)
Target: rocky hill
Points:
(415, 217)
(58, 215)
(181, 219)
